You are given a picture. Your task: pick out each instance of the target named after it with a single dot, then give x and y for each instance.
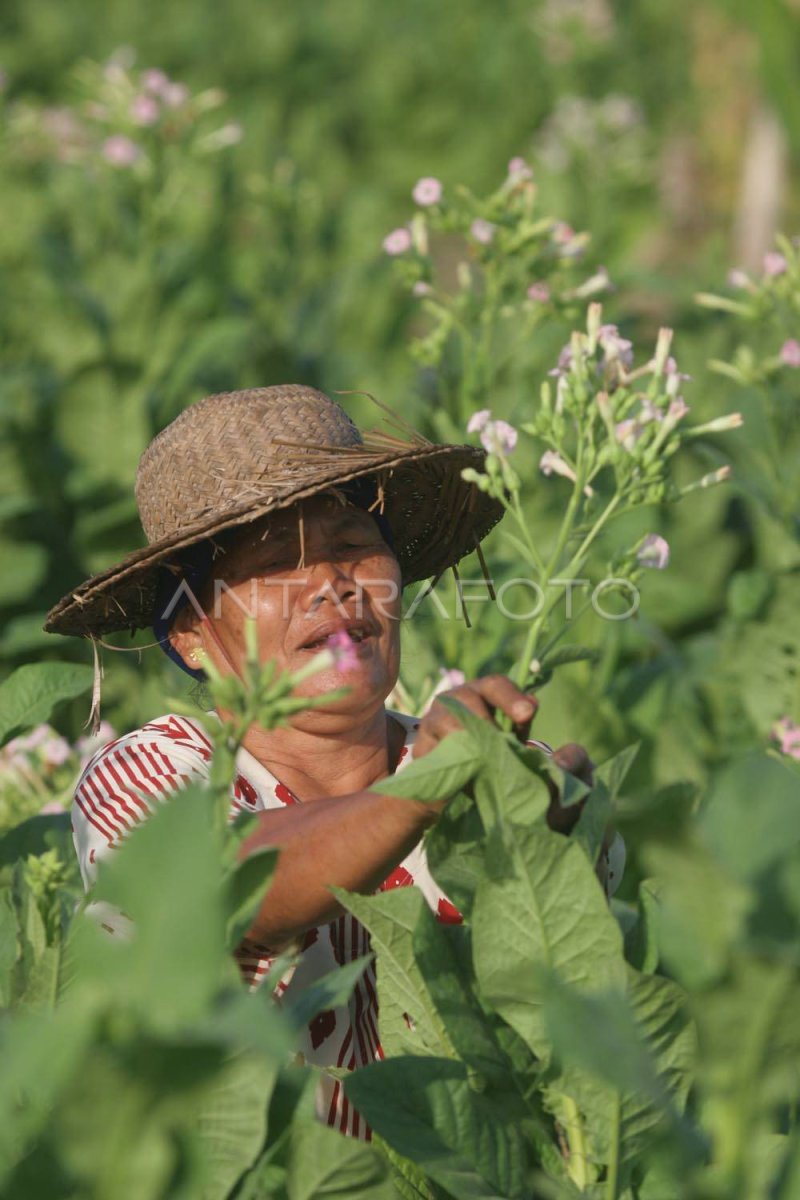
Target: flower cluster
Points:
(125, 114)
(769, 300)
(787, 734)
(38, 771)
(500, 233)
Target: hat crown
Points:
(235, 446)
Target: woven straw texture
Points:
(233, 457)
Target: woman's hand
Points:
(485, 698)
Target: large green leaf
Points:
(437, 775)
(540, 908)
(232, 1121)
(426, 1109)
(752, 816)
(628, 1058)
(40, 1052)
(322, 1163)
(443, 955)
(30, 694)
(508, 787)
(409, 1021)
(166, 878)
(702, 911)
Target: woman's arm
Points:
(355, 841)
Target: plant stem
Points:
(577, 1165)
(612, 1176)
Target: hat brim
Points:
(436, 519)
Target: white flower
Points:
(654, 552)
(552, 463)
(482, 231)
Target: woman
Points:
(270, 503)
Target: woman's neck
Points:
(315, 763)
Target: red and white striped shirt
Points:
(127, 778)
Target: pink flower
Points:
(790, 353)
(144, 110)
(650, 412)
(563, 233)
(397, 242)
(483, 231)
(479, 420)
(518, 170)
(774, 263)
(628, 433)
(614, 346)
(51, 808)
(345, 654)
(174, 94)
(653, 552)
(56, 751)
(539, 292)
(154, 81)
(677, 410)
(427, 191)
(787, 734)
(497, 437)
(120, 151)
(421, 288)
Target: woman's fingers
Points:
(575, 760)
(484, 697)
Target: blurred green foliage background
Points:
(240, 246)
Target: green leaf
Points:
(322, 1163)
(245, 888)
(410, 1181)
(509, 786)
(232, 1120)
(9, 946)
(614, 771)
(166, 878)
(427, 1111)
(40, 1053)
(409, 1022)
(590, 828)
(628, 1063)
(641, 942)
(702, 912)
(437, 775)
(752, 816)
(454, 851)
(540, 908)
(443, 955)
(569, 654)
(30, 694)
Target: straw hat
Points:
(233, 457)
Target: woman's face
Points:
(342, 577)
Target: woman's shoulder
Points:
(167, 737)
